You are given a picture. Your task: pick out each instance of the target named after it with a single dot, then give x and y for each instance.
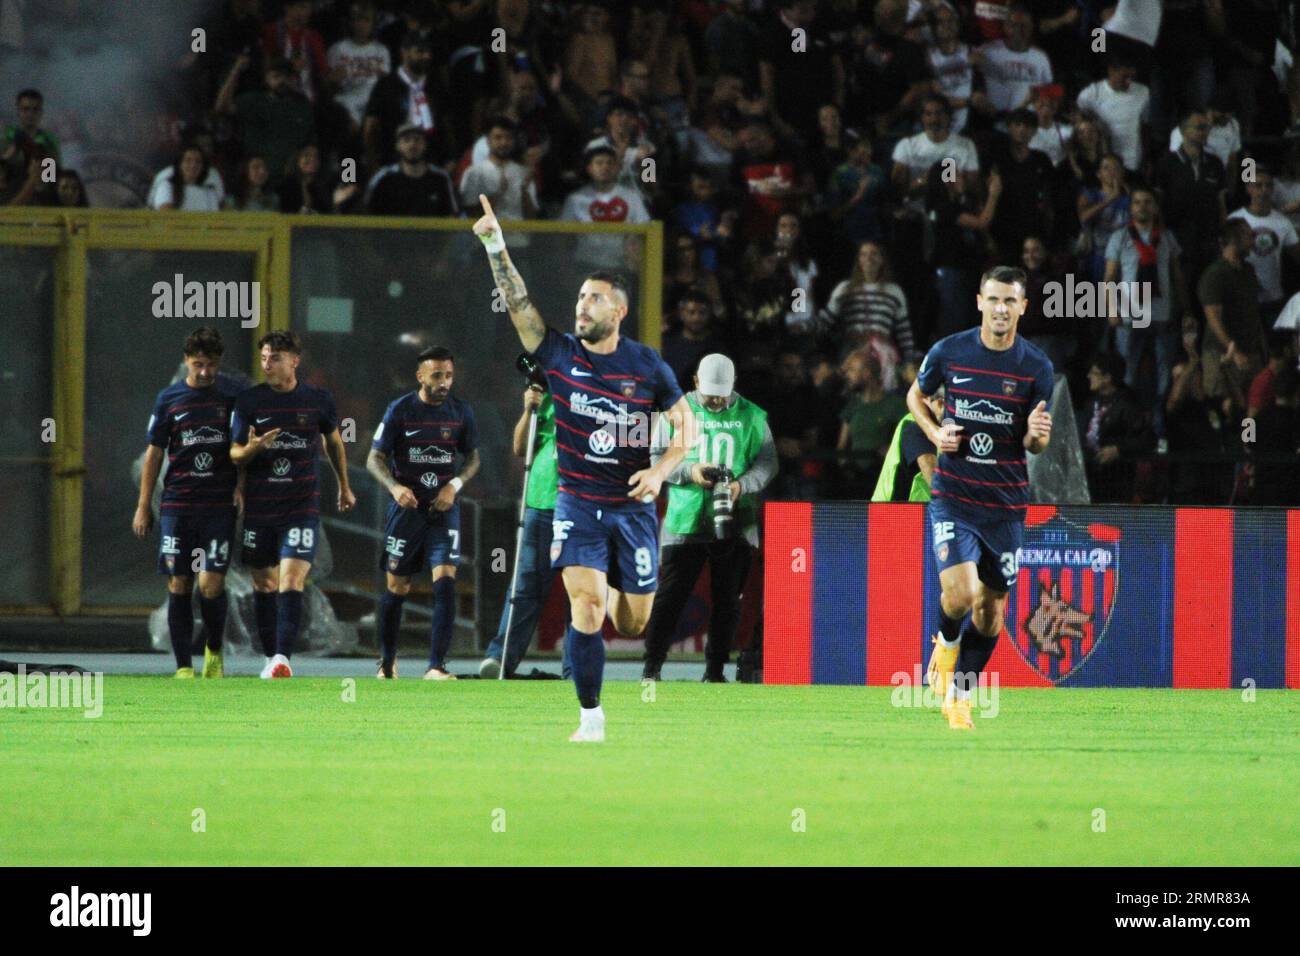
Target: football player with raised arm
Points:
(605, 534)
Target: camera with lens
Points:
(724, 518)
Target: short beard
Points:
(596, 332)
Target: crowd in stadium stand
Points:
(830, 203)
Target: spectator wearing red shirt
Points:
(1262, 390)
(769, 178)
(291, 38)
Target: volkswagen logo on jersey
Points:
(429, 480)
(203, 462)
(601, 442)
(981, 444)
(280, 467)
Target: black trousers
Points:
(679, 569)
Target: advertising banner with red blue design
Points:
(1104, 596)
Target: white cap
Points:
(717, 375)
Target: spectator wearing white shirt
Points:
(187, 184)
(914, 155)
(1123, 105)
(951, 61)
(604, 200)
(1052, 136)
(1286, 186)
(509, 186)
(1011, 67)
(356, 63)
(1273, 235)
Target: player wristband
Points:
(494, 242)
(456, 483)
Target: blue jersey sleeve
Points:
(329, 415)
(159, 432)
(388, 427)
(667, 392)
(930, 376)
(240, 418)
(1044, 382)
(469, 434)
(913, 443)
(551, 350)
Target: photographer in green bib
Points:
(712, 514)
(911, 459)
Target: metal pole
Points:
(519, 541)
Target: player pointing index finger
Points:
(605, 533)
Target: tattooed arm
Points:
(527, 321)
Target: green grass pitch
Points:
(478, 772)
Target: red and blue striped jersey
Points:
(990, 394)
(420, 441)
(603, 413)
(282, 481)
(193, 425)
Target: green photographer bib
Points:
(731, 437)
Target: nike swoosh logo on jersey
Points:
(959, 381)
(416, 432)
(180, 416)
(263, 420)
(575, 371)
(641, 584)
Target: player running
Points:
(413, 456)
(191, 421)
(276, 430)
(997, 387)
(605, 536)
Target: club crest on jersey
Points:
(1067, 581)
(393, 563)
(303, 419)
(627, 388)
(1008, 387)
(446, 434)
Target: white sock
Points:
(594, 715)
(961, 693)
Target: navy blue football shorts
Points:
(992, 545)
(266, 544)
(183, 535)
(419, 538)
(621, 540)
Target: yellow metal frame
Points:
(73, 233)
